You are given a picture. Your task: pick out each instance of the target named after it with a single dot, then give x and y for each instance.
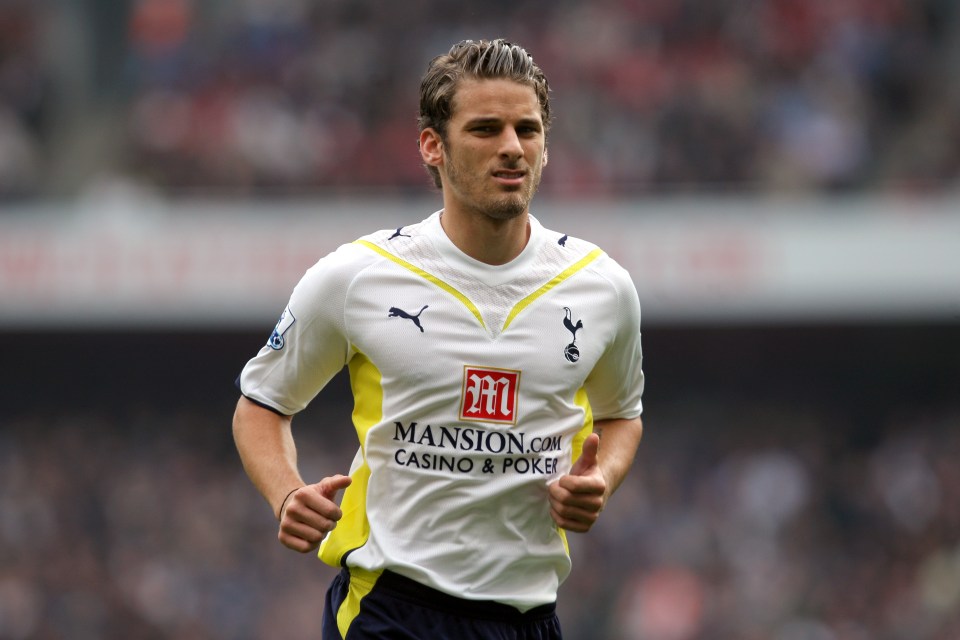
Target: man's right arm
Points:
(265, 442)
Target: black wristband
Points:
(284, 503)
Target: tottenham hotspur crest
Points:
(571, 352)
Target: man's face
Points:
(495, 148)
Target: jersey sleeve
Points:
(615, 386)
(309, 344)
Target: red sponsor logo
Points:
(489, 395)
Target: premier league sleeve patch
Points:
(286, 321)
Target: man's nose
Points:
(510, 144)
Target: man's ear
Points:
(546, 156)
(431, 147)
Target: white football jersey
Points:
(474, 387)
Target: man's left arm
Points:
(577, 498)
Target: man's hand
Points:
(310, 513)
(577, 498)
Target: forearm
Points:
(619, 440)
(265, 443)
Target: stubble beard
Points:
(509, 206)
(502, 206)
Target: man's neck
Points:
(486, 239)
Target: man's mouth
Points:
(510, 176)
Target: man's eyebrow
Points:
(480, 120)
(484, 120)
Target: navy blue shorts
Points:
(361, 605)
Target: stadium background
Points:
(781, 176)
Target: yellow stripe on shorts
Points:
(361, 584)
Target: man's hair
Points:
(478, 59)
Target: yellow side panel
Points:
(353, 530)
(581, 401)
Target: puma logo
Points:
(398, 234)
(396, 312)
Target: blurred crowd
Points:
(267, 97)
(739, 522)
